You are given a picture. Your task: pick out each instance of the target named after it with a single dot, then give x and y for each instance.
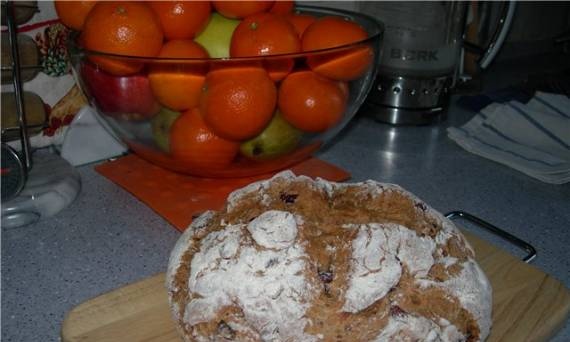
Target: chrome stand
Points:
(37, 187)
(408, 101)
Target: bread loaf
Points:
(296, 259)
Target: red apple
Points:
(127, 97)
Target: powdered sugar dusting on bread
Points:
(183, 242)
(181, 246)
(379, 252)
(370, 187)
(274, 229)
(374, 268)
(405, 328)
(268, 284)
(473, 291)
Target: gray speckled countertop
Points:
(107, 238)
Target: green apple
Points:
(160, 125)
(278, 138)
(217, 35)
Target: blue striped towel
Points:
(533, 138)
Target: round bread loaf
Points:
(296, 259)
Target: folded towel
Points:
(533, 138)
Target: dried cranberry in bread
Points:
(292, 259)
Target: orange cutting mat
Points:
(178, 198)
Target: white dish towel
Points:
(533, 138)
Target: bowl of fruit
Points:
(223, 88)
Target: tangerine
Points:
(182, 19)
(311, 102)
(241, 9)
(300, 22)
(282, 7)
(238, 102)
(122, 28)
(73, 13)
(266, 34)
(193, 143)
(178, 85)
(330, 32)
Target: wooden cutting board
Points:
(528, 305)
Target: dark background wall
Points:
(535, 27)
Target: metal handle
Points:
(500, 35)
(503, 26)
(531, 251)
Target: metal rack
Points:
(21, 160)
(530, 250)
(35, 186)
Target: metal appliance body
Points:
(420, 59)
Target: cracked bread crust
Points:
(296, 259)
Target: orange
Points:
(265, 34)
(178, 85)
(238, 102)
(241, 9)
(279, 67)
(311, 102)
(282, 7)
(73, 13)
(300, 22)
(329, 32)
(182, 19)
(343, 65)
(122, 28)
(193, 143)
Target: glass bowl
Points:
(130, 108)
